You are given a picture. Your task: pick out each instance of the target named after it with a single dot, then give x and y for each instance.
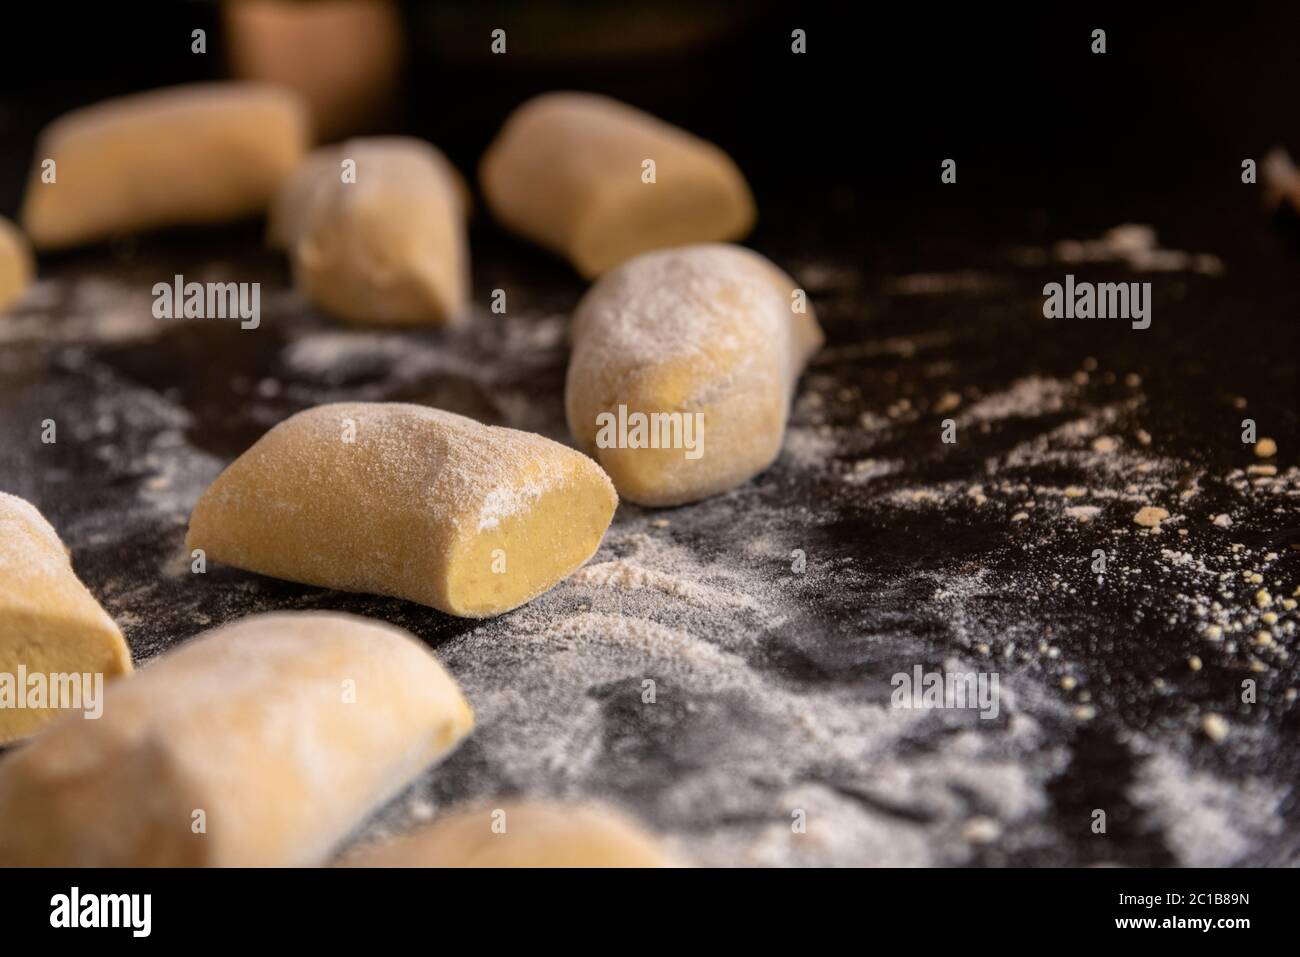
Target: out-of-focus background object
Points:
(343, 56)
(558, 32)
(185, 155)
(16, 264)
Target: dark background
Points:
(1032, 116)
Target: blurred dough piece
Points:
(566, 172)
(262, 743)
(408, 501)
(49, 623)
(201, 153)
(16, 264)
(709, 329)
(535, 835)
(389, 247)
(342, 56)
(1281, 179)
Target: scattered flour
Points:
(1137, 247)
(1208, 821)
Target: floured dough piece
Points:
(700, 345)
(566, 171)
(49, 623)
(16, 264)
(407, 501)
(200, 153)
(390, 246)
(537, 834)
(262, 743)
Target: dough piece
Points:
(537, 834)
(389, 247)
(283, 730)
(344, 56)
(707, 330)
(16, 265)
(566, 171)
(200, 153)
(49, 623)
(407, 501)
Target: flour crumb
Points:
(1150, 516)
(1215, 727)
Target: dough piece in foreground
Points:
(388, 246)
(568, 171)
(684, 363)
(200, 153)
(261, 743)
(407, 501)
(16, 264)
(49, 623)
(535, 834)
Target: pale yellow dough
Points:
(567, 171)
(709, 329)
(407, 501)
(16, 264)
(262, 743)
(388, 247)
(201, 153)
(535, 834)
(49, 623)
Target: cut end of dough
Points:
(699, 203)
(53, 633)
(516, 557)
(17, 266)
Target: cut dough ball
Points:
(385, 244)
(262, 743)
(537, 834)
(16, 264)
(569, 171)
(52, 631)
(684, 363)
(201, 153)
(407, 501)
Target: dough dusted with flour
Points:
(16, 264)
(566, 171)
(711, 334)
(388, 247)
(536, 834)
(261, 743)
(49, 623)
(407, 501)
(201, 153)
